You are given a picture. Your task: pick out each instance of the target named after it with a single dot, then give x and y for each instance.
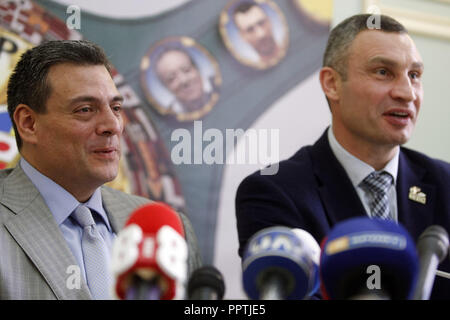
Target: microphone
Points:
(312, 244)
(206, 283)
(365, 258)
(149, 256)
(278, 264)
(432, 246)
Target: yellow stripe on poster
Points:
(320, 10)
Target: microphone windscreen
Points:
(152, 248)
(354, 245)
(434, 238)
(278, 250)
(207, 277)
(151, 217)
(314, 247)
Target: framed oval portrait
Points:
(255, 32)
(180, 78)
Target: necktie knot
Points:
(378, 182)
(83, 216)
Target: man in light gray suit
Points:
(66, 114)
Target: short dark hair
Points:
(243, 8)
(342, 36)
(29, 83)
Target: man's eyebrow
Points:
(118, 98)
(93, 99)
(418, 65)
(393, 63)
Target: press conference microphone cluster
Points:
(149, 256)
(433, 245)
(365, 258)
(281, 263)
(206, 283)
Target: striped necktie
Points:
(378, 185)
(95, 255)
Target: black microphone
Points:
(206, 283)
(432, 247)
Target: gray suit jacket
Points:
(34, 256)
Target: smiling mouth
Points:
(106, 152)
(399, 114)
(399, 119)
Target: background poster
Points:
(284, 96)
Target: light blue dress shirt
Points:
(357, 170)
(61, 204)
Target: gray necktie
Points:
(95, 255)
(378, 184)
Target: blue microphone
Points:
(365, 258)
(278, 264)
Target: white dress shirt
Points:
(357, 170)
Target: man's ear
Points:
(25, 120)
(330, 81)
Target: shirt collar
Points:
(95, 203)
(60, 202)
(356, 169)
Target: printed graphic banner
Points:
(199, 79)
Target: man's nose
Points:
(184, 77)
(403, 89)
(260, 33)
(110, 122)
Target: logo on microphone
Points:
(159, 257)
(366, 239)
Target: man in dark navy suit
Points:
(372, 82)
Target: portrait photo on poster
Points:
(180, 78)
(255, 32)
(145, 167)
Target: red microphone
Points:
(149, 256)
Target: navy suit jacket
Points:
(313, 192)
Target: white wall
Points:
(129, 9)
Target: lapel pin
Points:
(416, 195)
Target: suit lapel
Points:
(341, 201)
(117, 208)
(336, 190)
(415, 216)
(36, 232)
